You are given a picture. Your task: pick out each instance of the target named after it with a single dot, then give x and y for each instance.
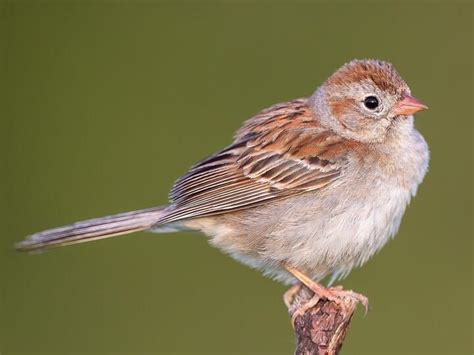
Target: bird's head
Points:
(363, 99)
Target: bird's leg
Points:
(290, 294)
(335, 294)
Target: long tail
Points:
(92, 229)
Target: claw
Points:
(357, 297)
(290, 294)
(335, 294)
(313, 301)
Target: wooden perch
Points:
(322, 328)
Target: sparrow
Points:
(309, 188)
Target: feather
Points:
(278, 153)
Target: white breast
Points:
(373, 209)
(342, 227)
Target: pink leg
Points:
(335, 294)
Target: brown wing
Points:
(278, 153)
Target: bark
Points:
(322, 328)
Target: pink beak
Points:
(408, 106)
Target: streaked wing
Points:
(278, 153)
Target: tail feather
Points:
(92, 229)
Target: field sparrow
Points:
(309, 188)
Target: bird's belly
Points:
(314, 232)
(356, 231)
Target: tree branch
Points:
(321, 328)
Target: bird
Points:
(308, 189)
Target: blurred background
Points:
(104, 104)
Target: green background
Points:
(105, 104)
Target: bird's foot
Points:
(289, 295)
(334, 294)
(338, 293)
(303, 308)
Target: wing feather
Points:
(279, 153)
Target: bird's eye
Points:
(371, 102)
